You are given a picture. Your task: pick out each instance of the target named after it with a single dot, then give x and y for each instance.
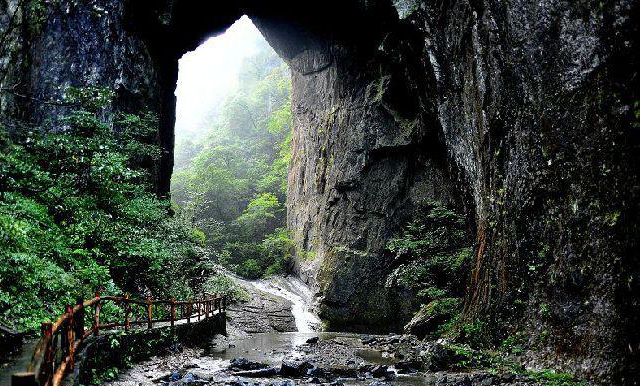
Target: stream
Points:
(312, 357)
(303, 357)
(294, 290)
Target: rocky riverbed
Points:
(265, 347)
(287, 359)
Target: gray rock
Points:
(263, 312)
(437, 357)
(294, 368)
(381, 372)
(10, 340)
(407, 367)
(245, 364)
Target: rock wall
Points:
(537, 103)
(366, 154)
(49, 46)
(523, 115)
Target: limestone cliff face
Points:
(48, 46)
(523, 115)
(366, 154)
(537, 103)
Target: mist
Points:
(207, 75)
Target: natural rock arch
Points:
(520, 114)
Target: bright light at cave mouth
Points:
(210, 73)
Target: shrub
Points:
(222, 284)
(77, 214)
(431, 257)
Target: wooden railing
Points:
(54, 354)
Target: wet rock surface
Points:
(260, 312)
(334, 359)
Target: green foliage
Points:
(260, 216)
(466, 357)
(37, 14)
(232, 186)
(224, 285)
(431, 257)
(474, 333)
(249, 268)
(199, 236)
(77, 215)
(91, 98)
(553, 378)
(514, 344)
(440, 310)
(277, 250)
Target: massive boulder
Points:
(523, 115)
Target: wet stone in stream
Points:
(288, 360)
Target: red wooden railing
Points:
(54, 354)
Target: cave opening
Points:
(233, 132)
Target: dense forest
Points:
(232, 184)
(78, 214)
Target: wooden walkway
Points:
(54, 355)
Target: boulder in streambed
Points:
(437, 357)
(379, 383)
(381, 371)
(407, 367)
(245, 364)
(295, 368)
(189, 379)
(285, 382)
(317, 372)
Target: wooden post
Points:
(64, 335)
(24, 379)
(127, 311)
(79, 319)
(188, 312)
(206, 309)
(173, 311)
(96, 316)
(198, 304)
(224, 304)
(149, 312)
(70, 336)
(47, 363)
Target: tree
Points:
(236, 178)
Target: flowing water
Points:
(294, 290)
(333, 349)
